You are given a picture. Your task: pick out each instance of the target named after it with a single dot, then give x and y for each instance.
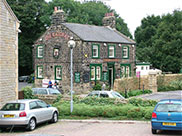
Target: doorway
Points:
(111, 73)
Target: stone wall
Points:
(8, 54)
(150, 82)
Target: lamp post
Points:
(71, 45)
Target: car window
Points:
(13, 107)
(41, 91)
(105, 95)
(53, 91)
(168, 107)
(116, 95)
(33, 105)
(41, 104)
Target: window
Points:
(142, 68)
(92, 72)
(126, 52)
(125, 70)
(39, 72)
(56, 52)
(41, 104)
(98, 72)
(39, 51)
(58, 73)
(111, 51)
(33, 105)
(95, 70)
(95, 51)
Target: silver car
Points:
(27, 112)
(46, 91)
(106, 94)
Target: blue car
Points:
(167, 115)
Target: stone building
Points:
(102, 54)
(9, 25)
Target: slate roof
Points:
(98, 33)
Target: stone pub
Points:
(102, 54)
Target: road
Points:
(163, 95)
(92, 128)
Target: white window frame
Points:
(58, 72)
(40, 50)
(95, 51)
(39, 72)
(111, 51)
(125, 52)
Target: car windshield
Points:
(13, 107)
(169, 107)
(53, 91)
(117, 95)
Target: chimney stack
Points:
(58, 16)
(109, 20)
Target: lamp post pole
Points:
(71, 107)
(71, 45)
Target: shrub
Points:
(148, 113)
(143, 103)
(97, 87)
(28, 94)
(138, 92)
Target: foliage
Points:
(143, 103)
(138, 92)
(173, 85)
(31, 78)
(29, 13)
(135, 93)
(97, 87)
(58, 99)
(159, 41)
(107, 108)
(106, 111)
(28, 93)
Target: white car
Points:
(106, 94)
(27, 112)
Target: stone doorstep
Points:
(105, 121)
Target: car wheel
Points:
(31, 124)
(54, 117)
(154, 131)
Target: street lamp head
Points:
(71, 44)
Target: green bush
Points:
(138, 92)
(27, 91)
(97, 87)
(143, 103)
(173, 85)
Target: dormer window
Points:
(39, 51)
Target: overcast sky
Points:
(133, 11)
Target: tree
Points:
(159, 41)
(29, 13)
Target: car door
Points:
(35, 111)
(45, 110)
